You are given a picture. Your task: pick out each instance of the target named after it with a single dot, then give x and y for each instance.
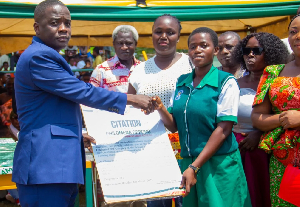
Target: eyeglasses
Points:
(255, 50)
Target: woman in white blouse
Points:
(159, 74)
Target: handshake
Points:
(145, 103)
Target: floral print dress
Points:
(284, 94)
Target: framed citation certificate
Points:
(133, 155)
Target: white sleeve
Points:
(172, 98)
(14, 130)
(133, 78)
(228, 102)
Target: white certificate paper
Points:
(133, 155)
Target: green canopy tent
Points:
(93, 21)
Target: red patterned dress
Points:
(284, 95)
(5, 110)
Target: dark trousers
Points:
(165, 203)
(48, 195)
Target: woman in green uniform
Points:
(204, 110)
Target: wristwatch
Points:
(194, 168)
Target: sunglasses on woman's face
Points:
(255, 50)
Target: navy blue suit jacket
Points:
(50, 147)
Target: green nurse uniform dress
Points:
(221, 180)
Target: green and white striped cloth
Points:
(7, 149)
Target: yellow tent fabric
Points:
(16, 34)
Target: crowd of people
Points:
(211, 109)
(238, 124)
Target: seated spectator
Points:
(88, 64)
(73, 65)
(5, 66)
(85, 52)
(4, 58)
(14, 128)
(70, 51)
(98, 59)
(2, 82)
(85, 77)
(14, 59)
(6, 102)
(6, 107)
(81, 64)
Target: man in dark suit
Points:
(49, 159)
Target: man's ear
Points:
(216, 50)
(36, 28)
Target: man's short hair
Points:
(41, 8)
(231, 33)
(125, 29)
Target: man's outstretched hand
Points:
(141, 102)
(87, 140)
